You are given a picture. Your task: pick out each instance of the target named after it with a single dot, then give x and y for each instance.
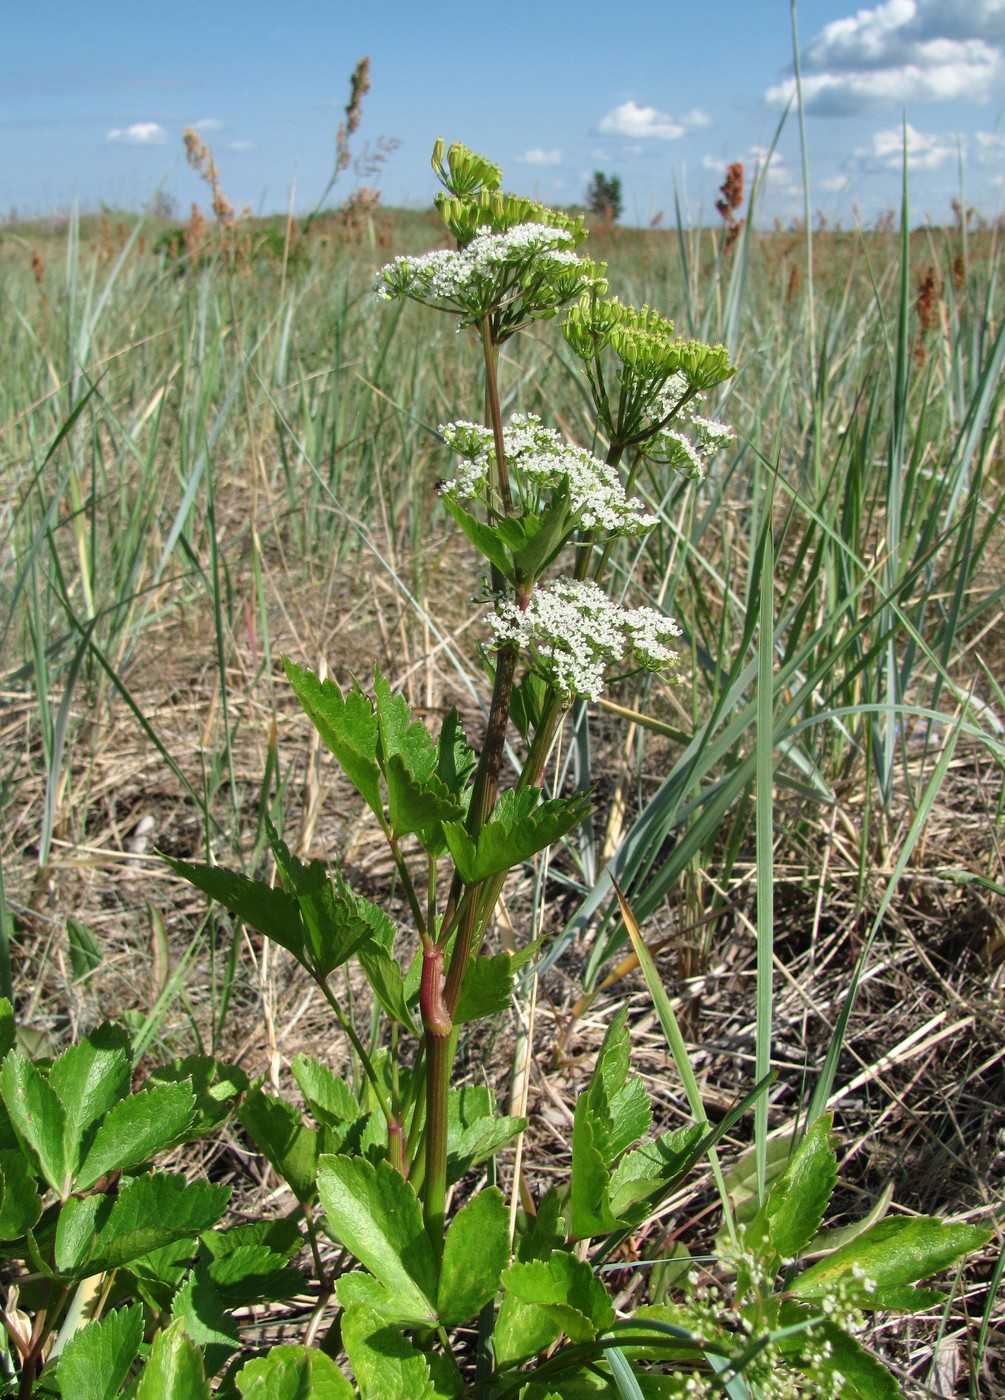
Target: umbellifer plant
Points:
(496, 1301)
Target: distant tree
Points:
(603, 196)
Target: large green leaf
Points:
(374, 1211)
(895, 1252)
(475, 1252)
(520, 826)
(199, 1305)
(384, 1362)
(417, 797)
(136, 1129)
(174, 1369)
(96, 1360)
(89, 1078)
(38, 1117)
(522, 1330)
(80, 1219)
(795, 1205)
(20, 1203)
(329, 1098)
(280, 1134)
(865, 1378)
(567, 1288)
(348, 726)
(153, 1210)
(270, 910)
(486, 990)
(653, 1168)
(290, 1372)
(487, 539)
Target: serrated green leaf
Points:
(475, 1252)
(653, 1168)
(136, 1129)
(621, 1111)
(20, 1203)
(174, 1369)
(894, 1252)
(329, 1098)
(215, 1083)
(269, 910)
(520, 827)
(384, 975)
(568, 1288)
(38, 1117)
(522, 1330)
(280, 1236)
(332, 923)
(486, 990)
(253, 1273)
(290, 1372)
(795, 1205)
(89, 1078)
(483, 1138)
(455, 758)
(590, 1210)
(375, 1212)
(412, 805)
(348, 726)
(151, 1211)
(865, 1378)
(280, 1134)
(199, 1306)
(96, 1360)
(80, 1219)
(384, 1362)
(545, 534)
(485, 538)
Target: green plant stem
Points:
(439, 1056)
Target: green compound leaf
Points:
(151, 1211)
(486, 990)
(272, 911)
(519, 827)
(332, 923)
(796, 1203)
(347, 724)
(567, 1289)
(376, 1214)
(475, 1252)
(136, 1129)
(895, 1252)
(174, 1369)
(277, 1130)
(474, 1132)
(79, 1222)
(96, 1360)
(590, 1210)
(38, 1117)
(20, 1203)
(293, 1373)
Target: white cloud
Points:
(538, 157)
(696, 118)
(924, 152)
(902, 51)
(139, 134)
(208, 124)
(641, 122)
(241, 146)
(834, 184)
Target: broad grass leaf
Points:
(174, 1369)
(96, 1360)
(475, 1252)
(348, 726)
(136, 1129)
(590, 1211)
(375, 1213)
(20, 1203)
(151, 1211)
(796, 1203)
(280, 1134)
(894, 1252)
(38, 1117)
(567, 1288)
(291, 1372)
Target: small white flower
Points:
(574, 632)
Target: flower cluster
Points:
(543, 464)
(532, 267)
(573, 632)
(685, 452)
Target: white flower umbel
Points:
(542, 463)
(574, 633)
(492, 268)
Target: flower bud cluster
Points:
(542, 465)
(573, 633)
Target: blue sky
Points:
(94, 98)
